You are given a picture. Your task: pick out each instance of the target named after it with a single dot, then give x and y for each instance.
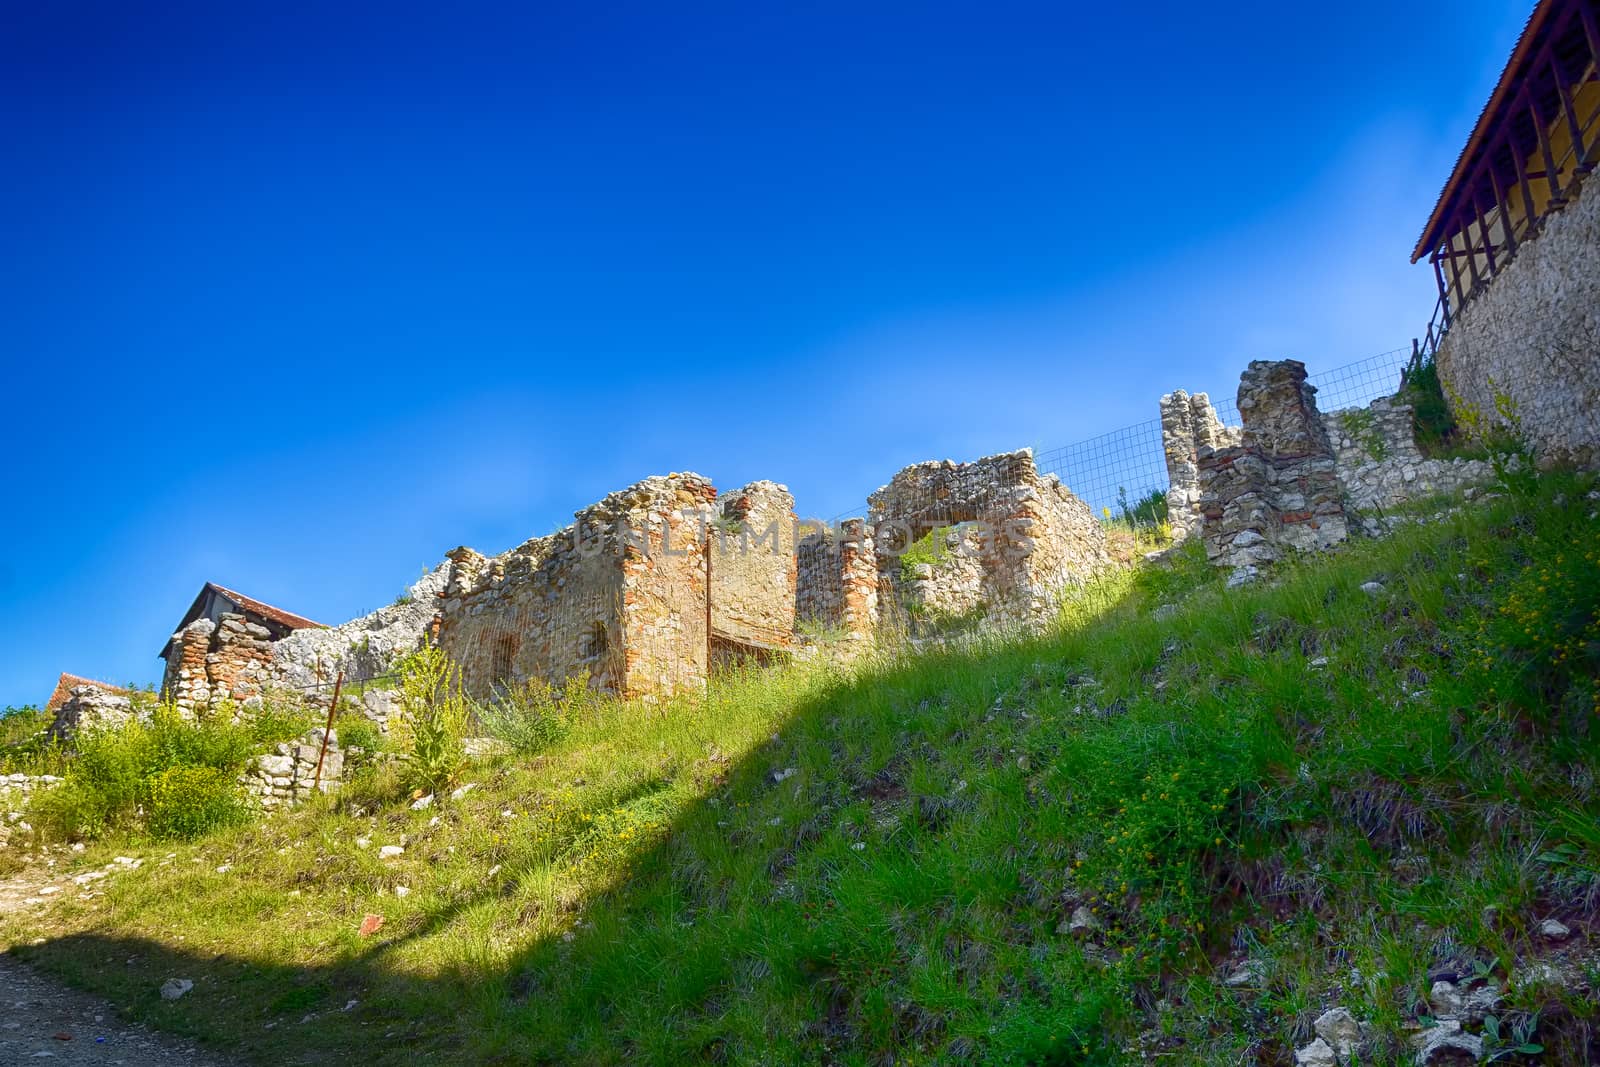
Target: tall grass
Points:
(1045, 849)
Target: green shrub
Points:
(530, 717)
(110, 779)
(359, 731)
(187, 801)
(434, 714)
(1432, 423)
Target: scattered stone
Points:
(1340, 1030)
(1447, 1044)
(783, 775)
(174, 988)
(402, 891)
(1247, 973)
(1083, 922)
(363, 842)
(1318, 664)
(370, 925)
(1372, 588)
(1243, 575)
(1316, 1054)
(461, 791)
(1554, 930)
(422, 803)
(389, 852)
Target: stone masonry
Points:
(1004, 542)
(619, 594)
(753, 571)
(1533, 334)
(365, 647)
(1188, 424)
(1278, 489)
(90, 707)
(1379, 464)
(286, 775)
(837, 584)
(211, 662)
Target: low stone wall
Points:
(1379, 464)
(93, 707)
(15, 792)
(286, 775)
(1278, 490)
(1534, 334)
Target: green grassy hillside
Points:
(1180, 826)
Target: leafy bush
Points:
(532, 716)
(360, 731)
(1432, 423)
(187, 801)
(25, 748)
(434, 713)
(111, 778)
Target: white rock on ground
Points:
(1340, 1030)
(1317, 1054)
(174, 988)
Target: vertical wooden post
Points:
(1438, 274)
(333, 709)
(1484, 234)
(1582, 162)
(1544, 148)
(1528, 216)
(1503, 208)
(1590, 31)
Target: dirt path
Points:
(44, 1022)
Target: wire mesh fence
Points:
(1116, 470)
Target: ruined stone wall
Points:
(92, 707)
(1031, 538)
(1188, 424)
(365, 647)
(15, 792)
(620, 594)
(1379, 464)
(287, 774)
(1534, 333)
(1277, 490)
(754, 566)
(665, 646)
(211, 662)
(837, 581)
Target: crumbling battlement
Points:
(1000, 541)
(1278, 489)
(837, 582)
(620, 594)
(364, 647)
(1188, 424)
(754, 569)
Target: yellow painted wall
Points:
(1586, 105)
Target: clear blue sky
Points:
(297, 299)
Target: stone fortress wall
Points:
(1533, 335)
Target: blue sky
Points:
(297, 300)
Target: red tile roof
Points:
(68, 682)
(266, 611)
